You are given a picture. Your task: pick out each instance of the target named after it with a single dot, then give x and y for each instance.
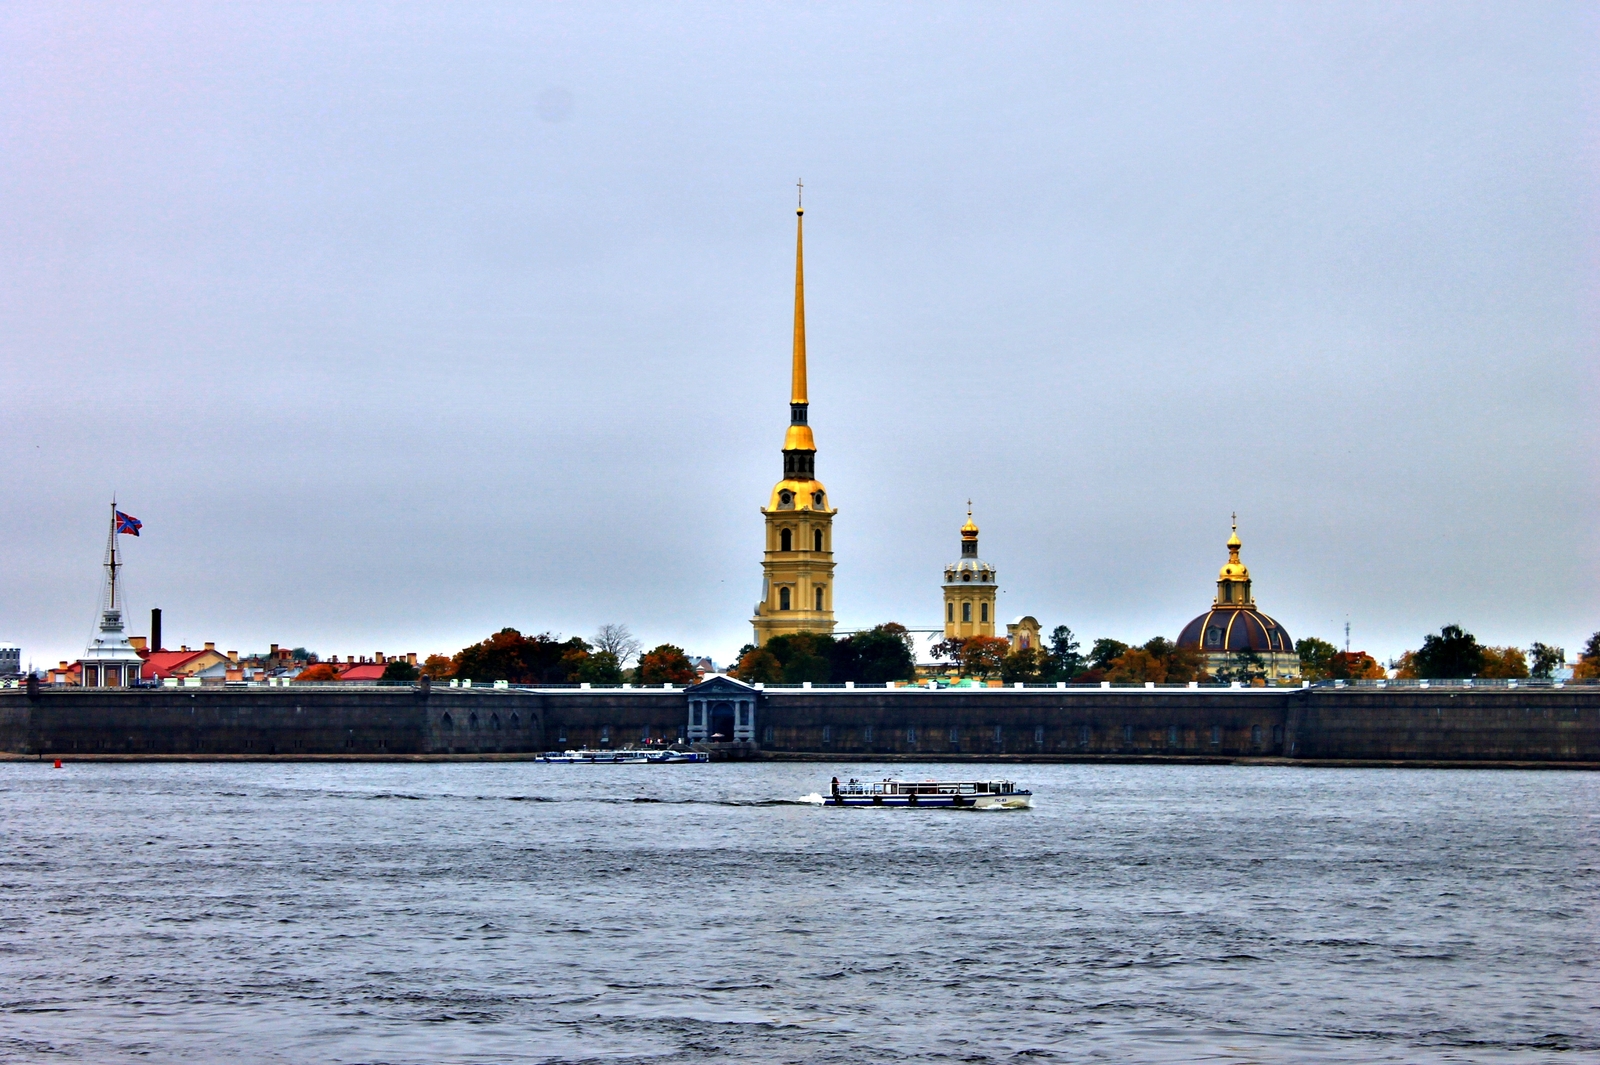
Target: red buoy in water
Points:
(58, 763)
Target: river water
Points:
(515, 912)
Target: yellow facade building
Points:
(969, 589)
(797, 567)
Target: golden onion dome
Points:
(969, 531)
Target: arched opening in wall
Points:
(516, 722)
(447, 723)
(721, 727)
(472, 721)
(816, 540)
(966, 611)
(494, 722)
(783, 597)
(983, 610)
(819, 598)
(949, 611)
(786, 540)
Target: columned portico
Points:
(722, 710)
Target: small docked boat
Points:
(930, 794)
(624, 756)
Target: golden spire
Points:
(799, 437)
(798, 390)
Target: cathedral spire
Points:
(799, 438)
(797, 390)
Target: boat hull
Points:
(1016, 800)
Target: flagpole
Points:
(111, 603)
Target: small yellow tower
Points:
(969, 589)
(797, 569)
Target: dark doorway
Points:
(721, 723)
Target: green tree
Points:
(1104, 652)
(1450, 654)
(601, 667)
(1246, 667)
(1315, 655)
(1546, 660)
(666, 664)
(399, 669)
(805, 656)
(1065, 661)
(882, 653)
(1025, 664)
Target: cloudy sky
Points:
(397, 324)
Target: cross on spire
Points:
(800, 194)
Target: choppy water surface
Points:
(515, 912)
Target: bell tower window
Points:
(786, 542)
(819, 597)
(783, 598)
(966, 611)
(983, 610)
(949, 611)
(816, 541)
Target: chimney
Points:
(137, 642)
(185, 647)
(155, 629)
(233, 656)
(210, 646)
(274, 652)
(350, 660)
(378, 657)
(411, 658)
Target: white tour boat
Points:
(940, 794)
(624, 756)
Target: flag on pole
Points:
(127, 523)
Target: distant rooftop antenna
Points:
(1346, 635)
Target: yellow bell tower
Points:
(969, 589)
(797, 568)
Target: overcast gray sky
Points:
(397, 324)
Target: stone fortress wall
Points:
(1548, 725)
